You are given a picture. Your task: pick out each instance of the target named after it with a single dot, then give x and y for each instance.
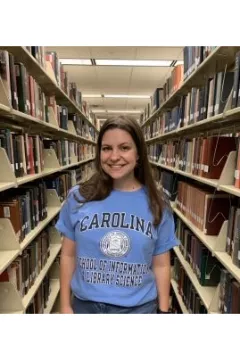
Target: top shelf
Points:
(215, 62)
(47, 83)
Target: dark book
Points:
(21, 76)
(236, 94)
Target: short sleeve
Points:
(64, 224)
(166, 239)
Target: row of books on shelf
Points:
(209, 273)
(61, 76)
(160, 95)
(197, 105)
(205, 266)
(39, 53)
(26, 152)
(40, 300)
(27, 205)
(205, 209)
(186, 290)
(175, 307)
(24, 270)
(204, 156)
(26, 95)
(193, 56)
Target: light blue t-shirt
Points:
(115, 245)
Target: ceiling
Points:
(117, 79)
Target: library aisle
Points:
(53, 102)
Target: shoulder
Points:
(74, 196)
(74, 190)
(167, 216)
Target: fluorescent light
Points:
(116, 96)
(92, 96)
(98, 111)
(113, 62)
(108, 62)
(128, 96)
(75, 61)
(179, 62)
(125, 111)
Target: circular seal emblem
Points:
(115, 243)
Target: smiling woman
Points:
(119, 158)
(117, 221)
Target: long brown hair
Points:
(100, 185)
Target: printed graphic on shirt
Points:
(110, 272)
(115, 220)
(115, 243)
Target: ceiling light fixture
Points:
(75, 61)
(112, 62)
(127, 96)
(125, 111)
(179, 62)
(98, 111)
(92, 96)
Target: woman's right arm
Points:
(67, 267)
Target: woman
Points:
(117, 231)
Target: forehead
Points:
(116, 136)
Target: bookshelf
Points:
(71, 153)
(225, 182)
(45, 77)
(221, 59)
(179, 298)
(218, 59)
(207, 294)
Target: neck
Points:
(127, 184)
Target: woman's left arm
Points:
(162, 271)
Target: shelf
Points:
(10, 300)
(15, 117)
(9, 245)
(226, 261)
(216, 61)
(54, 250)
(179, 298)
(206, 293)
(52, 212)
(44, 78)
(213, 243)
(7, 176)
(7, 257)
(210, 182)
(51, 164)
(212, 123)
(55, 287)
(226, 177)
(6, 185)
(231, 189)
(216, 244)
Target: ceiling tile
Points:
(118, 80)
(159, 53)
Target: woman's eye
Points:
(105, 149)
(125, 148)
